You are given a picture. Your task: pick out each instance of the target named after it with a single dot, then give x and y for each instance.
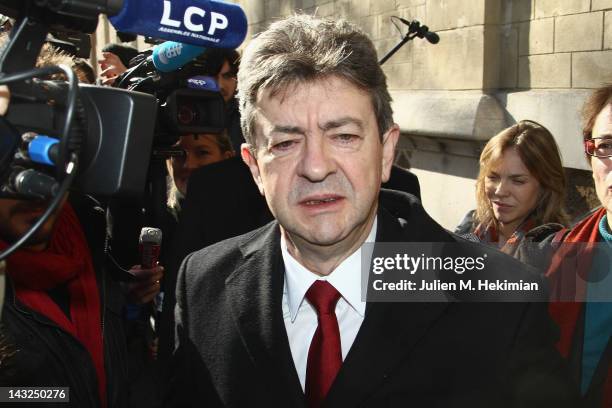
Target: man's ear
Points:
(390, 139)
(248, 156)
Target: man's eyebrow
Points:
(332, 124)
(288, 129)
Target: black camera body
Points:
(119, 128)
(188, 102)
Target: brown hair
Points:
(594, 104)
(301, 49)
(539, 152)
(84, 71)
(212, 60)
(221, 139)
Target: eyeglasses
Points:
(598, 147)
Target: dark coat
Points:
(48, 356)
(403, 180)
(233, 348)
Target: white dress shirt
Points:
(301, 318)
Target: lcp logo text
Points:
(217, 20)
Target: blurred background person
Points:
(223, 65)
(189, 153)
(64, 325)
(193, 152)
(584, 270)
(520, 189)
(54, 305)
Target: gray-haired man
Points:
(275, 317)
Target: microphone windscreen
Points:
(432, 37)
(204, 23)
(150, 235)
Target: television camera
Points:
(61, 135)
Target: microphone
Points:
(202, 23)
(421, 31)
(149, 246)
(430, 36)
(170, 56)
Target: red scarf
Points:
(565, 286)
(67, 260)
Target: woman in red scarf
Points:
(520, 188)
(580, 271)
(61, 320)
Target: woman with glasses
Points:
(580, 271)
(520, 189)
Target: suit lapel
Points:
(256, 289)
(389, 331)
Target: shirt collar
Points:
(346, 278)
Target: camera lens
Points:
(186, 115)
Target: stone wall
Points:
(497, 62)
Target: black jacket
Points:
(233, 349)
(46, 355)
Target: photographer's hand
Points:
(111, 67)
(5, 97)
(146, 285)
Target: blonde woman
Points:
(520, 188)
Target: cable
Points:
(71, 100)
(399, 30)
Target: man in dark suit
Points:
(276, 317)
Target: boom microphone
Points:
(421, 31)
(202, 23)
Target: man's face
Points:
(319, 160)
(17, 216)
(199, 151)
(227, 82)
(602, 166)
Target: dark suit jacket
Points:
(403, 180)
(233, 349)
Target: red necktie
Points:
(324, 355)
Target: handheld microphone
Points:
(202, 23)
(149, 246)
